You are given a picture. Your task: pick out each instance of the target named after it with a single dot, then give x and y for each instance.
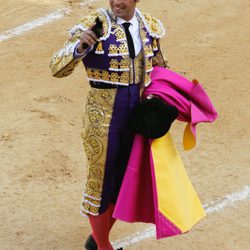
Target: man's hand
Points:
(88, 38)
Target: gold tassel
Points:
(99, 49)
(155, 45)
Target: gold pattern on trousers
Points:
(95, 127)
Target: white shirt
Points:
(134, 31)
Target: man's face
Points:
(123, 8)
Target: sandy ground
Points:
(42, 161)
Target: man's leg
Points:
(101, 227)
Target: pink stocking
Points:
(101, 226)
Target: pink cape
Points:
(138, 199)
(193, 103)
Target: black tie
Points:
(131, 47)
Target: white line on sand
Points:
(214, 206)
(19, 30)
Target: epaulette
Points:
(152, 24)
(87, 21)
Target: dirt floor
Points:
(42, 160)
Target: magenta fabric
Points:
(190, 99)
(137, 200)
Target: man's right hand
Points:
(88, 38)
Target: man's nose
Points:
(117, 2)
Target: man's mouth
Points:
(118, 8)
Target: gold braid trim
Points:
(152, 24)
(63, 63)
(88, 21)
(95, 129)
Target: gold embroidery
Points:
(147, 78)
(90, 208)
(95, 127)
(159, 60)
(155, 45)
(120, 34)
(123, 48)
(124, 64)
(105, 75)
(127, 76)
(138, 64)
(97, 74)
(153, 25)
(148, 50)
(90, 73)
(124, 77)
(62, 65)
(143, 33)
(114, 64)
(89, 20)
(114, 77)
(99, 49)
(95, 203)
(113, 49)
(148, 64)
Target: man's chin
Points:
(118, 14)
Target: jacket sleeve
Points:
(63, 62)
(158, 58)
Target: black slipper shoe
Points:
(90, 243)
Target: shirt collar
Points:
(133, 20)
